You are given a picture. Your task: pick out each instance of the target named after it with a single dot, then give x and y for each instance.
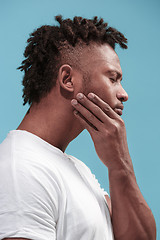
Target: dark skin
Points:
(99, 109)
(131, 216)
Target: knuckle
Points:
(106, 109)
(105, 134)
(115, 128)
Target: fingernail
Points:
(91, 95)
(79, 95)
(74, 102)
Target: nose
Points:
(122, 95)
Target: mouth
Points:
(119, 110)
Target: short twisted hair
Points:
(47, 45)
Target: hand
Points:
(107, 130)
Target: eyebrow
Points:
(119, 75)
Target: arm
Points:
(131, 216)
(130, 212)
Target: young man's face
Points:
(105, 77)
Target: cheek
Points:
(102, 87)
(105, 92)
(107, 97)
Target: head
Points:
(73, 47)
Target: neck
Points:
(54, 123)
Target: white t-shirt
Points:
(46, 194)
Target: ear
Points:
(65, 77)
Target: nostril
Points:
(123, 96)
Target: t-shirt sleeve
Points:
(29, 203)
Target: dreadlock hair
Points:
(48, 45)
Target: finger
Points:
(87, 125)
(103, 105)
(89, 116)
(92, 107)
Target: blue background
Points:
(139, 21)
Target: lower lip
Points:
(118, 111)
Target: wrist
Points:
(122, 174)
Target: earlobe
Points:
(65, 78)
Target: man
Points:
(72, 82)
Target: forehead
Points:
(103, 56)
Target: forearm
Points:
(131, 216)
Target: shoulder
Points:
(32, 194)
(28, 181)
